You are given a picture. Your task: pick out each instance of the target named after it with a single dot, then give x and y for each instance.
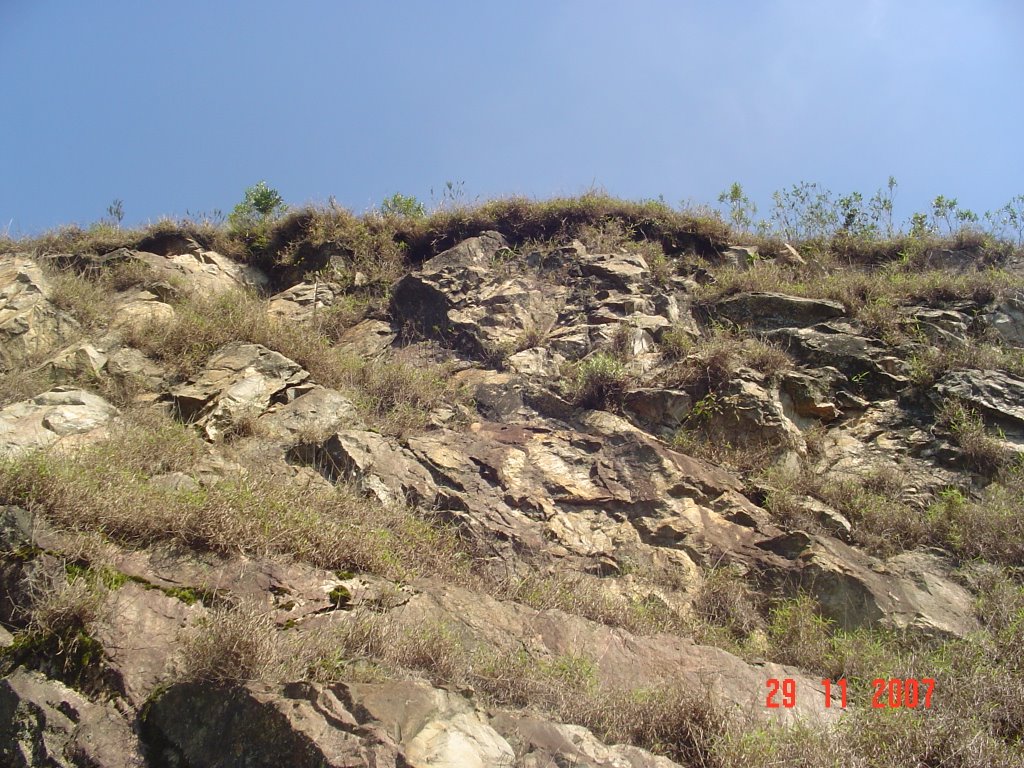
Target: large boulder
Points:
(770, 311)
(29, 324)
(63, 415)
(45, 724)
(239, 382)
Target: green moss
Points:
(340, 596)
(190, 595)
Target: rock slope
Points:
(598, 468)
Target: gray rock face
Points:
(835, 344)
(769, 311)
(239, 382)
(997, 396)
(1007, 320)
(44, 724)
(911, 591)
(29, 324)
(261, 726)
(63, 415)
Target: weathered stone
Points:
(997, 396)
(140, 640)
(368, 339)
(63, 415)
(769, 311)
(620, 270)
(620, 659)
(45, 724)
(80, 361)
(660, 410)
(239, 381)
(203, 271)
(740, 256)
(836, 345)
(911, 591)
(1007, 321)
(438, 729)
(301, 302)
(311, 416)
(29, 324)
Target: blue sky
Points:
(177, 107)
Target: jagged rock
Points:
(864, 361)
(660, 410)
(368, 339)
(943, 327)
(749, 411)
(202, 270)
(377, 463)
(301, 302)
(997, 396)
(76, 362)
(624, 271)
(806, 396)
(1007, 321)
(44, 723)
(913, 590)
(536, 362)
(239, 381)
(458, 298)
(63, 415)
(311, 416)
(29, 324)
(769, 311)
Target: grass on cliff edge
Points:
(114, 487)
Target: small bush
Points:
(598, 381)
(965, 425)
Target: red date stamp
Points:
(891, 693)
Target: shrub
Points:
(251, 219)
(598, 381)
(983, 452)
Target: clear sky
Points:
(177, 107)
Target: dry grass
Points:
(395, 395)
(682, 723)
(929, 365)
(983, 452)
(110, 488)
(598, 381)
(590, 597)
(237, 644)
(708, 364)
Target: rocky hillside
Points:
(527, 497)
